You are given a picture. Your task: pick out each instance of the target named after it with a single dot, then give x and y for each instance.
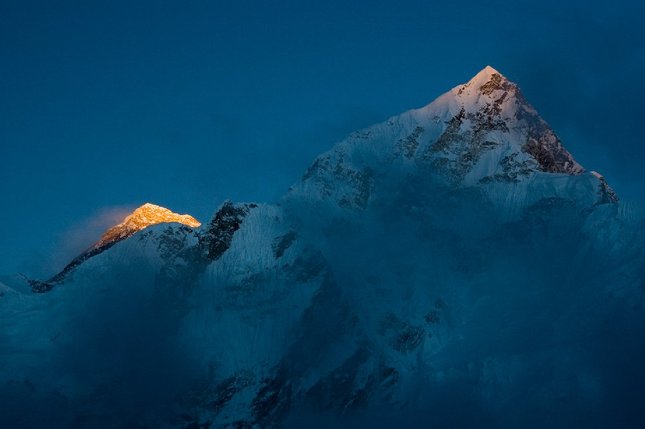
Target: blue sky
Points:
(107, 105)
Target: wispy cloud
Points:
(83, 234)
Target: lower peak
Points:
(144, 216)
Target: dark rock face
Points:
(219, 234)
(497, 83)
(273, 400)
(282, 243)
(551, 156)
(459, 148)
(408, 146)
(408, 339)
(606, 194)
(451, 133)
(228, 388)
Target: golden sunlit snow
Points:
(143, 217)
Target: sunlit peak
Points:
(144, 216)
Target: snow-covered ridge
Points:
(143, 217)
(479, 134)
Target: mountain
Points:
(141, 218)
(452, 266)
(482, 134)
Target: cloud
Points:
(83, 234)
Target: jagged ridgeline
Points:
(453, 266)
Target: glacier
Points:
(453, 266)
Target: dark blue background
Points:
(106, 105)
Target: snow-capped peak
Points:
(143, 217)
(490, 88)
(484, 75)
(482, 133)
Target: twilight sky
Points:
(107, 105)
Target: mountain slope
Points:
(425, 270)
(481, 134)
(141, 218)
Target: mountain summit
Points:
(492, 102)
(141, 218)
(481, 134)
